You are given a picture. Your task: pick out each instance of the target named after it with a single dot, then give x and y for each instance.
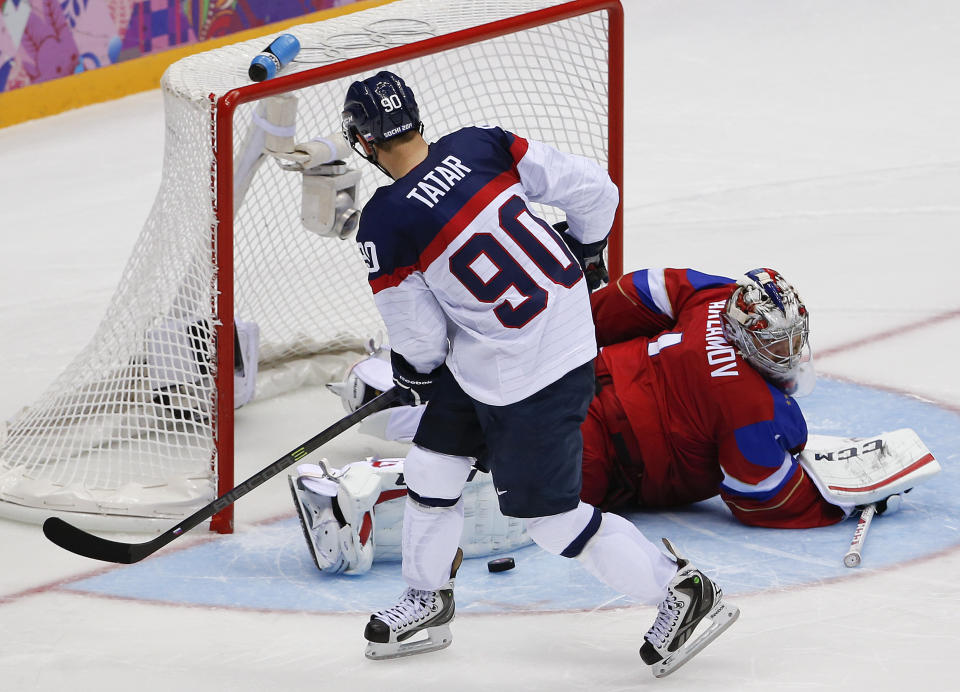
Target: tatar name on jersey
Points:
(417, 225)
(435, 184)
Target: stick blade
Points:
(78, 541)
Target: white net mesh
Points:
(127, 434)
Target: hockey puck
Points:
(501, 564)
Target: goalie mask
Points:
(767, 322)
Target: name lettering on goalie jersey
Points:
(719, 352)
(439, 181)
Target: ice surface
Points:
(821, 138)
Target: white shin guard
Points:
(431, 536)
(432, 527)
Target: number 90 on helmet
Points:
(376, 110)
(765, 319)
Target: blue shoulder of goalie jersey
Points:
(766, 447)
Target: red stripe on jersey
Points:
(518, 149)
(394, 279)
(483, 197)
(886, 481)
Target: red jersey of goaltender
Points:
(681, 416)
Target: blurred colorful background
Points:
(42, 40)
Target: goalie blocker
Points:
(859, 471)
(869, 473)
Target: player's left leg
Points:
(432, 525)
(435, 470)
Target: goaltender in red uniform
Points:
(695, 383)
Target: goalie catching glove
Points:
(589, 255)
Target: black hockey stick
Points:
(86, 544)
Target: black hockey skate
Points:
(389, 631)
(691, 599)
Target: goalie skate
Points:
(389, 631)
(691, 600)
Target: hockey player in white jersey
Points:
(488, 316)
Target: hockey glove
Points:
(417, 386)
(589, 255)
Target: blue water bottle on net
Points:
(274, 57)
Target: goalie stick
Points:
(852, 558)
(78, 541)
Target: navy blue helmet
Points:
(378, 109)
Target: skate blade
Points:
(720, 618)
(437, 638)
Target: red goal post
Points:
(140, 430)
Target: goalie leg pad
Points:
(321, 529)
(336, 513)
(379, 485)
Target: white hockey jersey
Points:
(463, 272)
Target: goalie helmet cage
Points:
(138, 431)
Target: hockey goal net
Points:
(138, 431)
